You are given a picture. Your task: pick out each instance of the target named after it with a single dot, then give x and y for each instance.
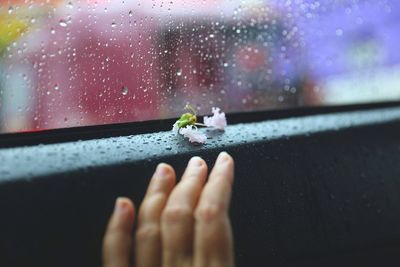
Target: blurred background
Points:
(77, 63)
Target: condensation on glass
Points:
(77, 63)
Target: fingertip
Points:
(164, 169)
(224, 156)
(223, 167)
(117, 238)
(198, 165)
(123, 214)
(164, 178)
(197, 161)
(124, 205)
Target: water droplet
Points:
(339, 32)
(70, 5)
(226, 65)
(179, 72)
(124, 90)
(168, 148)
(130, 13)
(56, 87)
(52, 31)
(10, 9)
(62, 23)
(113, 24)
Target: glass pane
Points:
(77, 63)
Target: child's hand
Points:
(182, 225)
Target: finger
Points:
(117, 240)
(213, 244)
(148, 233)
(177, 219)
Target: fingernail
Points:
(161, 170)
(121, 205)
(196, 161)
(222, 157)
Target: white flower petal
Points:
(175, 127)
(218, 120)
(194, 135)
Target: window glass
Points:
(77, 63)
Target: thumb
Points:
(117, 240)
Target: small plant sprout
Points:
(187, 124)
(187, 119)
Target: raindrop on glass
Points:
(63, 23)
(113, 24)
(124, 90)
(339, 32)
(179, 72)
(56, 87)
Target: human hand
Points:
(177, 226)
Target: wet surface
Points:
(43, 160)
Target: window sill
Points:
(53, 159)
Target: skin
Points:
(178, 225)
